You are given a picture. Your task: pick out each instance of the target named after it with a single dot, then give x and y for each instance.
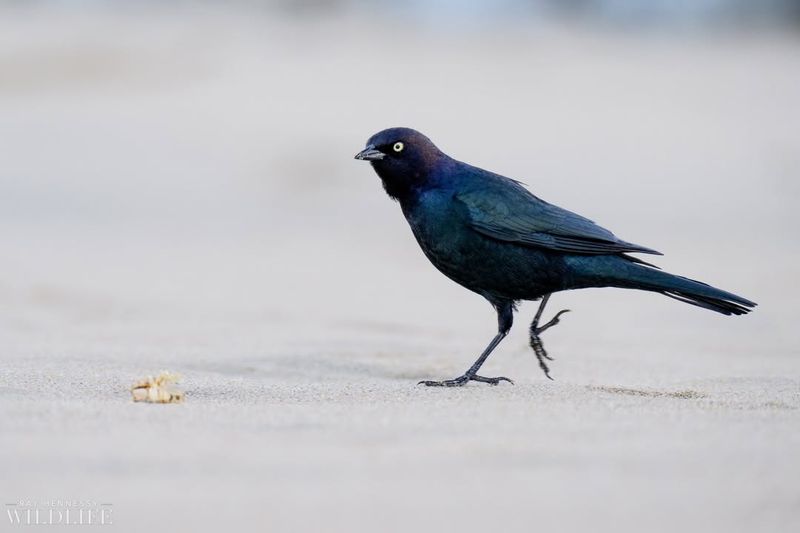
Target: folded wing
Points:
(505, 210)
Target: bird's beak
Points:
(370, 154)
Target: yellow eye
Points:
(398, 147)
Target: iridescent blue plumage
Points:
(493, 236)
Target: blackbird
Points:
(491, 235)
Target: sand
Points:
(177, 192)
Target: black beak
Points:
(370, 154)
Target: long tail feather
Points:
(621, 272)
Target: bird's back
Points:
(504, 209)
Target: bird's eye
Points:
(398, 147)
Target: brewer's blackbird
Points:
(491, 235)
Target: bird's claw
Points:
(555, 320)
(545, 369)
(536, 342)
(491, 381)
(541, 355)
(463, 380)
(457, 382)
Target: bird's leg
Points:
(505, 317)
(536, 330)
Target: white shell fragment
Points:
(158, 389)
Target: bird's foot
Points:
(463, 380)
(537, 330)
(491, 381)
(536, 341)
(541, 354)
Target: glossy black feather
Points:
(491, 235)
(504, 209)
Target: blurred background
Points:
(178, 190)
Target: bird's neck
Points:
(406, 186)
(403, 190)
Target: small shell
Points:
(158, 389)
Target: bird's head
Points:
(403, 158)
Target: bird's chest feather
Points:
(441, 227)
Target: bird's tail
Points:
(617, 272)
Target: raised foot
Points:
(463, 380)
(536, 330)
(536, 341)
(541, 355)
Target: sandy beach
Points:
(178, 192)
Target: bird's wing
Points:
(505, 210)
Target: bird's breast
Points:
(443, 229)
